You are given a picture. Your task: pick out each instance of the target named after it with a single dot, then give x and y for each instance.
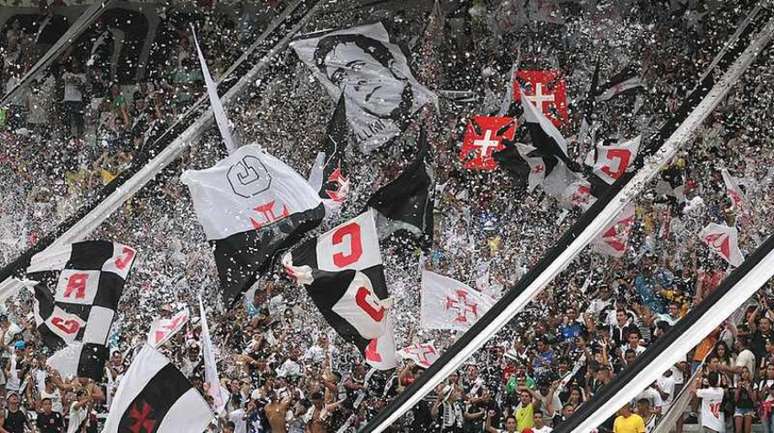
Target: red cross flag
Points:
(162, 330)
(614, 239)
(546, 90)
(424, 354)
(450, 304)
(484, 136)
(723, 240)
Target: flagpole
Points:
(663, 147)
(216, 105)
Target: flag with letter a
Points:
(251, 205)
(75, 302)
(155, 397)
(343, 273)
(723, 240)
(449, 304)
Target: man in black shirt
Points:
(13, 419)
(49, 421)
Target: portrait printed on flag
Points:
(373, 73)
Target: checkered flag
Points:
(75, 302)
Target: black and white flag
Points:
(406, 203)
(155, 397)
(373, 74)
(329, 174)
(76, 300)
(620, 83)
(251, 205)
(343, 273)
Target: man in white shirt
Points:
(745, 359)
(538, 424)
(712, 416)
(666, 386)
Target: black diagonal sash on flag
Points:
(623, 82)
(406, 203)
(155, 397)
(154, 401)
(251, 205)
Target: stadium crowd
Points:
(73, 130)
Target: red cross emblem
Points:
(538, 169)
(339, 194)
(546, 90)
(423, 352)
(267, 211)
(141, 416)
(461, 305)
(484, 135)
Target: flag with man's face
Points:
(373, 73)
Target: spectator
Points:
(74, 87)
(628, 422)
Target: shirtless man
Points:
(318, 417)
(276, 410)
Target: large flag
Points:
(620, 83)
(615, 237)
(343, 273)
(484, 135)
(162, 330)
(723, 240)
(546, 90)
(373, 74)
(155, 397)
(406, 203)
(251, 205)
(612, 161)
(424, 354)
(735, 193)
(449, 304)
(76, 300)
(219, 395)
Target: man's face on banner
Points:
(365, 71)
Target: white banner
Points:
(449, 304)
